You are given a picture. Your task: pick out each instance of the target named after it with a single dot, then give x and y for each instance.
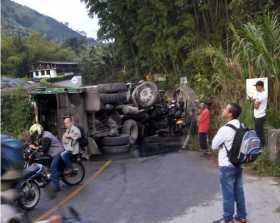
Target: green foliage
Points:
(77, 45)
(59, 78)
(18, 53)
(252, 56)
(264, 167)
(273, 117)
(247, 114)
(258, 44)
(16, 111)
(21, 20)
(99, 65)
(45, 83)
(151, 36)
(159, 36)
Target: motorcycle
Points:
(73, 177)
(28, 189)
(176, 118)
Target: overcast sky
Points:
(72, 11)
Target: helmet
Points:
(36, 129)
(12, 161)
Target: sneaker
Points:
(240, 220)
(222, 221)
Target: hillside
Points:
(18, 19)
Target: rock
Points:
(274, 144)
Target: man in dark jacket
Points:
(51, 146)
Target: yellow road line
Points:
(73, 193)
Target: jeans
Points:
(259, 123)
(232, 190)
(203, 141)
(66, 157)
(54, 171)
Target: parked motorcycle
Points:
(176, 118)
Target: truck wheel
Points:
(130, 128)
(115, 141)
(117, 98)
(116, 149)
(146, 94)
(112, 88)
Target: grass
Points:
(263, 166)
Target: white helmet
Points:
(36, 129)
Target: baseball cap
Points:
(259, 83)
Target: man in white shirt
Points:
(70, 142)
(260, 104)
(230, 176)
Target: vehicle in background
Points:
(114, 115)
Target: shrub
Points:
(59, 78)
(16, 111)
(264, 167)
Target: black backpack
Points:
(83, 140)
(245, 146)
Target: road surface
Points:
(170, 188)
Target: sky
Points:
(72, 11)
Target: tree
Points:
(18, 53)
(77, 45)
(98, 65)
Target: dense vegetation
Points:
(217, 44)
(18, 53)
(16, 111)
(17, 19)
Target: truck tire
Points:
(115, 141)
(141, 132)
(116, 98)
(130, 128)
(112, 88)
(116, 149)
(146, 94)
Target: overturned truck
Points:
(115, 116)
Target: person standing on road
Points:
(230, 176)
(203, 121)
(260, 105)
(70, 142)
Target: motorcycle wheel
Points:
(76, 176)
(30, 195)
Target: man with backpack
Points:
(230, 175)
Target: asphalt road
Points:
(175, 187)
(149, 190)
